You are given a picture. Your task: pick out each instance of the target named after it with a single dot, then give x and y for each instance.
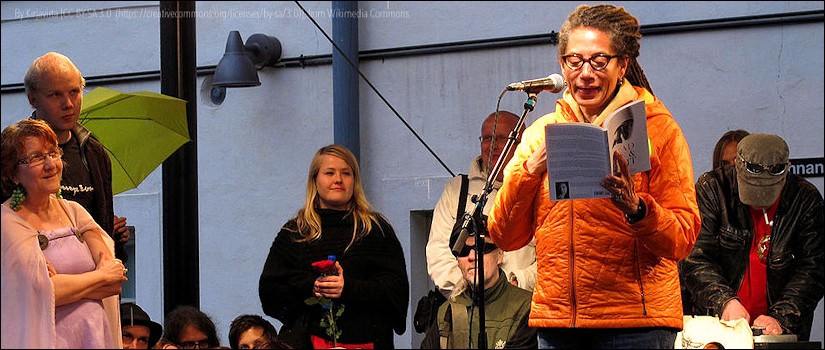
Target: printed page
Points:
(627, 132)
(577, 160)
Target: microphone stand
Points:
(479, 227)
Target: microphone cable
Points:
(493, 139)
(374, 89)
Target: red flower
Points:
(325, 267)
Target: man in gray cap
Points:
(139, 331)
(759, 253)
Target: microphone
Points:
(460, 236)
(461, 241)
(553, 83)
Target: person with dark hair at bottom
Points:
(245, 330)
(607, 273)
(139, 331)
(759, 255)
(189, 328)
(507, 307)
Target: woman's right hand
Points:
(330, 286)
(112, 270)
(114, 274)
(537, 163)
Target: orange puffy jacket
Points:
(594, 269)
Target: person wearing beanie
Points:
(139, 331)
(759, 254)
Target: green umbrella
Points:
(139, 131)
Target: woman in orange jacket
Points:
(607, 275)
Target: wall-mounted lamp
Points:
(238, 67)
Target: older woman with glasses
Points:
(607, 274)
(60, 277)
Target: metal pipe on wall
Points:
(345, 109)
(483, 44)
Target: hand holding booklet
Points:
(580, 155)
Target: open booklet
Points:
(580, 155)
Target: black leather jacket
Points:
(714, 270)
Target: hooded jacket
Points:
(715, 269)
(595, 270)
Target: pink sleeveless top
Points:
(82, 324)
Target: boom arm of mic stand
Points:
(480, 200)
(515, 134)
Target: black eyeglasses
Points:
(597, 61)
(200, 344)
(758, 168)
(488, 248)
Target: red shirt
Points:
(753, 293)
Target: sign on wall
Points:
(808, 167)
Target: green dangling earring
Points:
(59, 193)
(18, 195)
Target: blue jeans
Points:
(607, 338)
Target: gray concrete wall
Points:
(255, 148)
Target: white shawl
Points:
(27, 311)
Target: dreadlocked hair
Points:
(620, 26)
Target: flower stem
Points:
(333, 325)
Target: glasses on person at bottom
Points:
(758, 168)
(200, 344)
(488, 248)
